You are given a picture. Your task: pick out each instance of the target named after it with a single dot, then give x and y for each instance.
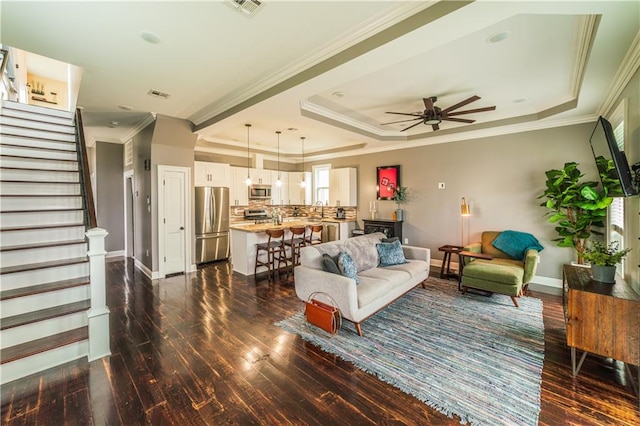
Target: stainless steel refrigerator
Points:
(212, 223)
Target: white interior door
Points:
(174, 210)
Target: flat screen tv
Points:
(612, 164)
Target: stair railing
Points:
(98, 314)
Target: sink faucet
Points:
(319, 203)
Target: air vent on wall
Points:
(158, 94)
(247, 7)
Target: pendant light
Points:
(278, 182)
(248, 181)
(303, 184)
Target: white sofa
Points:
(378, 286)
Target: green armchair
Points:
(484, 267)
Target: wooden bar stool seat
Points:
(315, 234)
(275, 250)
(297, 241)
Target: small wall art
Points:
(387, 180)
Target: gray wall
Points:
(142, 189)
(109, 196)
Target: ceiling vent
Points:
(247, 7)
(158, 94)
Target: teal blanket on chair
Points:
(516, 244)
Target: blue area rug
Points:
(477, 357)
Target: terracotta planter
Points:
(604, 274)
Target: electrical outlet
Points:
(440, 185)
(406, 241)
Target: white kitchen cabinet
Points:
(297, 194)
(211, 174)
(343, 187)
(260, 176)
(238, 191)
(279, 194)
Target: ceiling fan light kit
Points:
(433, 115)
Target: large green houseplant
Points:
(576, 207)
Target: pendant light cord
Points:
(248, 127)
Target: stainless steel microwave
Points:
(259, 192)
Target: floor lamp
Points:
(464, 212)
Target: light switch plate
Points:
(440, 185)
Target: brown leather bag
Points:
(323, 315)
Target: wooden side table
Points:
(445, 270)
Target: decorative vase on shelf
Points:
(603, 273)
(399, 214)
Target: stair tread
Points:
(34, 169)
(66, 182)
(39, 195)
(34, 227)
(38, 158)
(43, 288)
(42, 265)
(44, 344)
(42, 245)
(44, 314)
(74, 209)
(38, 148)
(7, 127)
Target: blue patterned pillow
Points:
(391, 254)
(347, 266)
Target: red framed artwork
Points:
(387, 180)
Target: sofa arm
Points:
(531, 260)
(473, 247)
(340, 288)
(417, 253)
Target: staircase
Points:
(45, 290)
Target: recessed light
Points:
(113, 124)
(498, 37)
(125, 107)
(517, 101)
(338, 94)
(150, 37)
(292, 129)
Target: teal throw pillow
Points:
(391, 254)
(329, 264)
(347, 266)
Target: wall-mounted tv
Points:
(612, 164)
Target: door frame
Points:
(129, 205)
(187, 211)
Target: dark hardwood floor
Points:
(203, 349)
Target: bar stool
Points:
(275, 250)
(297, 241)
(315, 234)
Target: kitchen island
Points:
(244, 238)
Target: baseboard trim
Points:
(117, 253)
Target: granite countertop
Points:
(288, 223)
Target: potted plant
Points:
(399, 196)
(575, 207)
(603, 259)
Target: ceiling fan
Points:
(433, 115)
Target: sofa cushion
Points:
(311, 256)
(363, 251)
(347, 266)
(329, 264)
(390, 254)
(412, 267)
(378, 282)
(503, 272)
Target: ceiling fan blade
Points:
(469, 111)
(401, 121)
(461, 104)
(413, 125)
(413, 114)
(428, 103)
(435, 127)
(459, 120)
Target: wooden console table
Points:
(601, 318)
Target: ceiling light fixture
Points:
(150, 37)
(278, 182)
(338, 94)
(125, 107)
(303, 184)
(248, 181)
(113, 124)
(498, 37)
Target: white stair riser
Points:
(41, 203)
(39, 176)
(26, 366)
(31, 236)
(34, 109)
(32, 163)
(44, 254)
(32, 133)
(39, 188)
(42, 276)
(26, 333)
(9, 220)
(38, 153)
(37, 143)
(52, 119)
(32, 123)
(22, 305)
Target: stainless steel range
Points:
(257, 215)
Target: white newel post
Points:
(98, 314)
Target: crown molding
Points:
(586, 38)
(626, 70)
(148, 119)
